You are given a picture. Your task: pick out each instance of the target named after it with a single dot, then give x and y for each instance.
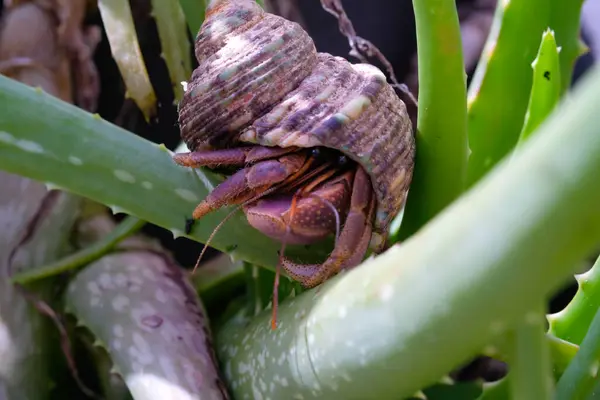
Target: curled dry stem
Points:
(362, 48)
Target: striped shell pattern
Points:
(260, 80)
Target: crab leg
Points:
(251, 181)
(353, 241)
(236, 156)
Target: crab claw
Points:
(352, 244)
(247, 182)
(311, 219)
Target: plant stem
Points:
(580, 377)
(83, 257)
(441, 132)
(530, 359)
(432, 303)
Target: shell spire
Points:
(248, 61)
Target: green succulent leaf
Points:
(565, 17)
(144, 312)
(501, 85)
(458, 390)
(581, 376)
(499, 390)
(529, 359)
(194, 11)
(572, 323)
(441, 131)
(546, 87)
(561, 353)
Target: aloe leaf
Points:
(193, 11)
(561, 353)
(36, 226)
(581, 376)
(546, 87)
(499, 390)
(565, 19)
(441, 132)
(122, 37)
(458, 390)
(174, 42)
(573, 322)
(69, 148)
(430, 304)
(145, 313)
(501, 85)
(529, 360)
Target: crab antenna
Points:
(278, 268)
(227, 217)
(212, 235)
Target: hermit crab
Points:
(319, 146)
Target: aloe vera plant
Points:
(514, 216)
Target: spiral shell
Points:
(261, 80)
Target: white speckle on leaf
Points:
(120, 302)
(147, 185)
(75, 160)
(387, 291)
(311, 338)
(124, 176)
(161, 296)
(93, 288)
(29, 146)
(342, 312)
(105, 281)
(121, 280)
(187, 195)
(118, 330)
(6, 137)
